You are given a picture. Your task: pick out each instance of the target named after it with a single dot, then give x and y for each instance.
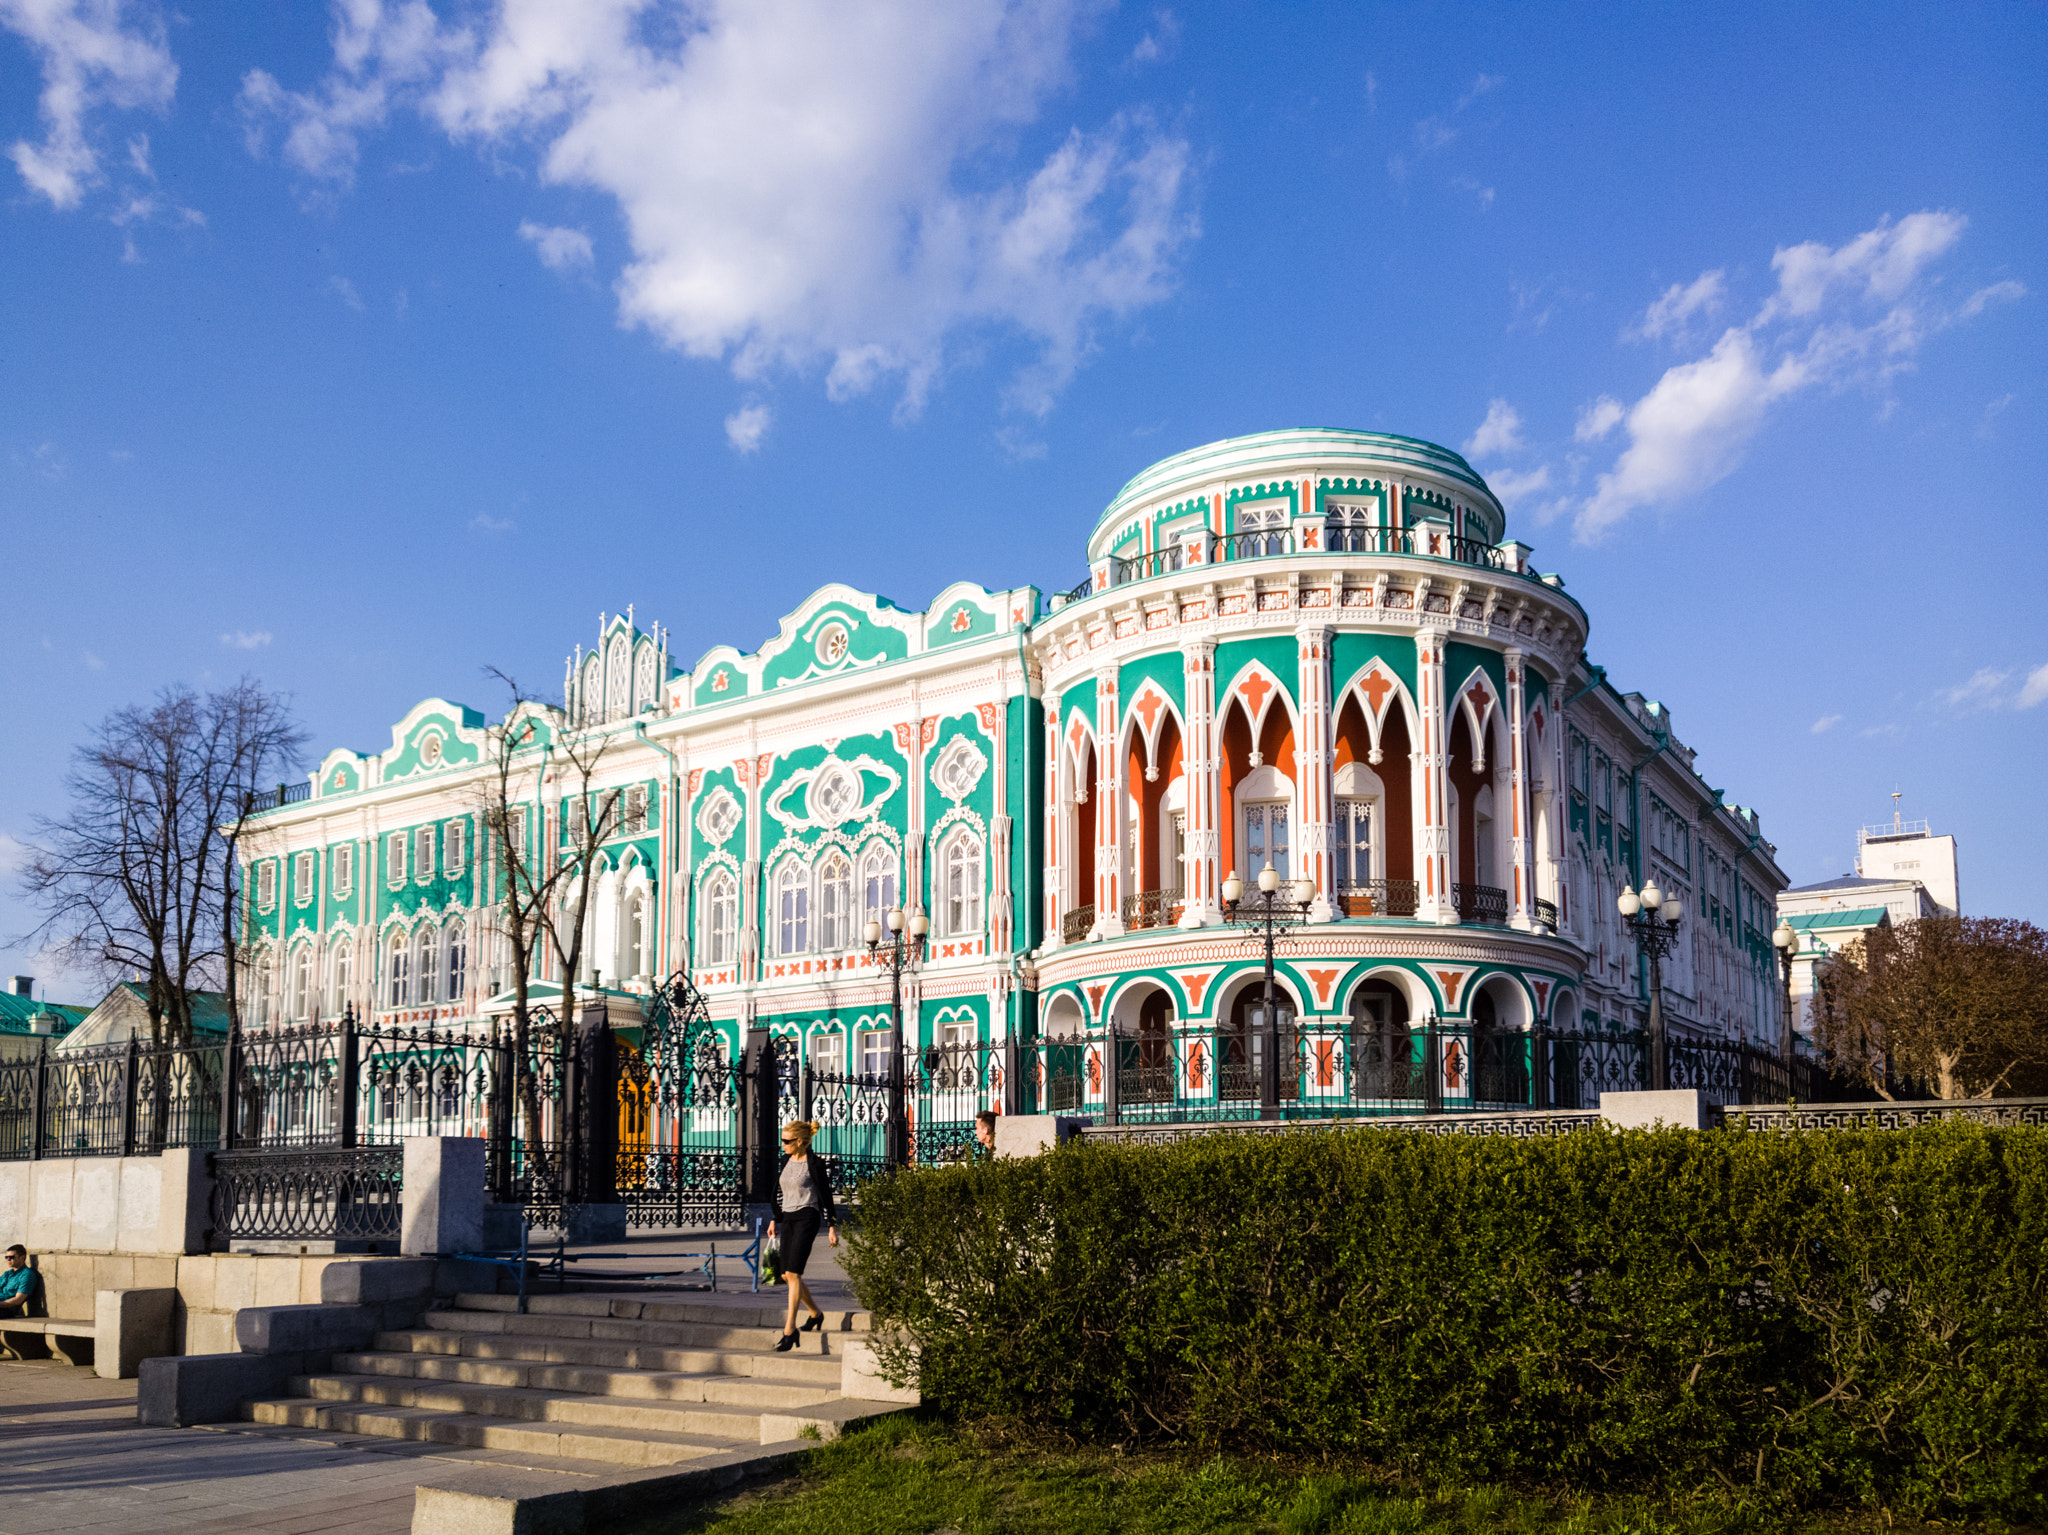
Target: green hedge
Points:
(1830, 1315)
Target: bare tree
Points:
(138, 877)
(545, 821)
(1957, 1002)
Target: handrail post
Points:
(346, 1050)
(129, 1083)
(230, 1058)
(39, 1101)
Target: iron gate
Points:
(681, 1140)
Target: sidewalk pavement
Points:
(73, 1458)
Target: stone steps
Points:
(628, 1380)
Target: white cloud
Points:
(745, 427)
(1484, 194)
(92, 54)
(1825, 723)
(1500, 432)
(559, 249)
(1480, 87)
(1984, 689)
(1883, 262)
(1679, 303)
(1158, 42)
(92, 662)
(2035, 689)
(345, 290)
(1511, 485)
(247, 639)
(1984, 298)
(1598, 419)
(801, 183)
(1020, 446)
(484, 522)
(1856, 314)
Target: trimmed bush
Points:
(1819, 1316)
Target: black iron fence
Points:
(136, 1098)
(1360, 1069)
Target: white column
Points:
(1521, 898)
(1312, 766)
(1109, 812)
(1202, 906)
(1432, 785)
(1560, 808)
(1058, 856)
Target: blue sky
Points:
(367, 348)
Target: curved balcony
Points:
(1379, 897)
(1426, 542)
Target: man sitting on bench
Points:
(21, 1287)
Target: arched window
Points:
(302, 982)
(877, 885)
(343, 976)
(635, 955)
(458, 960)
(836, 923)
(793, 909)
(398, 973)
(1243, 1045)
(960, 885)
(427, 966)
(721, 919)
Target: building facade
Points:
(1313, 649)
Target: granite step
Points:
(639, 1385)
(618, 1446)
(796, 1365)
(712, 1416)
(766, 1312)
(578, 1329)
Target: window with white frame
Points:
(960, 884)
(264, 978)
(266, 885)
(426, 965)
(721, 918)
(874, 1054)
(458, 960)
(877, 886)
(635, 957)
(834, 794)
(423, 853)
(302, 878)
(453, 850)
(793, 909)
(344, 869)
(575, 820)
(398, 972)
(1354, 841)
(342, 976)
(828, 1054)
(395, 856)
(633, 820)
(1265, 838)
(301, 996)
(1267, 521)
(835, 904)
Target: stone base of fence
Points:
(107, 1204)
(1678, 1109)
(1024, 1135)
(444, 1195)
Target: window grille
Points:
(793, 903)
(1265, 838)
(1354, 841)
(961, 871)
(266, 885)
(878, 886)
(835, 905)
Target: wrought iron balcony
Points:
(1143, 566)
(1075, 926)
(1379, 897)
(271, 799)
(1152, 908)
(1480, 903)
(1546, 913)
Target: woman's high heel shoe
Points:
(817, 1320)
(785, 1343)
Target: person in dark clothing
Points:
(803, 1201)
(985, 1134)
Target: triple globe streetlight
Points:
(899, 956)
(1652, 919)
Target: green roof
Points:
(1862, 916)
(15, 1013)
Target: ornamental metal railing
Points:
(347, 1195)
(1480, 903)
(1141, 567)
(1152, 908)
(1546, 913)
(1379, 897)
(271, 799)
(1077, 924)
(134, 1098)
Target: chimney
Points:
(24, 985)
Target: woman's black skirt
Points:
(795, 1231)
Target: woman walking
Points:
(803, 1199)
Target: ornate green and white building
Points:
(1313, 648)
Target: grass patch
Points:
(903, 1476)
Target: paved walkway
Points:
(73, 1458)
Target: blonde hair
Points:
(803, 1130)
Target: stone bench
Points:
(126, 1327)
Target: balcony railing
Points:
(1378, 897)
(283, 794)
(1152, 908)
(1076, 925)
(1546, 913)
(1270, 543)
(1480, 903)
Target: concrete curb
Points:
(481, 1505)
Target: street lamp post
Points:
(1786, 941)
(1264, 920)
(1652, 920)
(899, 956)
